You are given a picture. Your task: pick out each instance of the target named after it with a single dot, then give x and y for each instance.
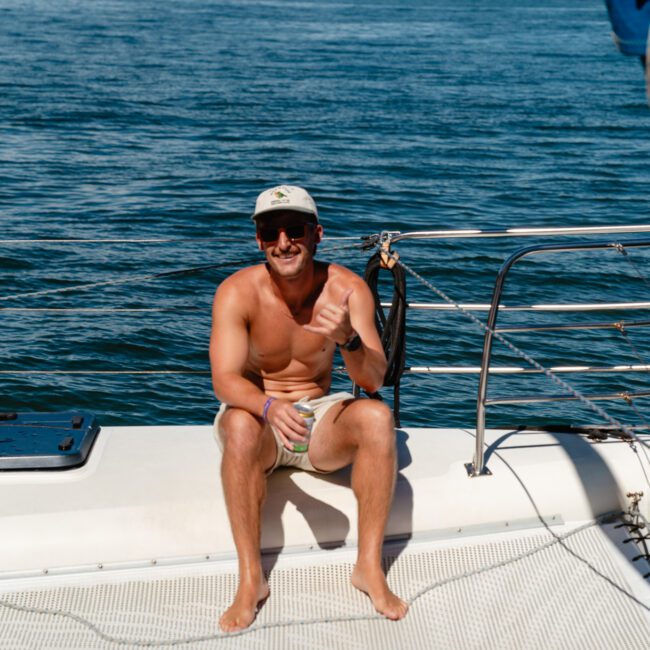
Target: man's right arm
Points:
(229, 348)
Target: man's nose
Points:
(283, 240)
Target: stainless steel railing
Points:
(519, 232)
(477, 466)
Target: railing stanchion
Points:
(477, 467)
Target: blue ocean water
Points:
(163, 120)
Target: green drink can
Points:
(307, 413)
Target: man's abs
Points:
(291, 386)
(286, 361)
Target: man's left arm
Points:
(355, 314)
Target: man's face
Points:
(288, 239)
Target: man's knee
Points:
(241, 432)
(376, 422)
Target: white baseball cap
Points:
(285, 197)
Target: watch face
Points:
(353, 344)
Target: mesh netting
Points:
(544, 599)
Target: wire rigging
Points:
(155, 276)
(132, 278)
(572, 391)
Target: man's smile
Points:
(286, 255)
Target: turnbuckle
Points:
(387, 257)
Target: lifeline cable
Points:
(142, 278)
(630, 436)
(623, 251)
(131, 278)
(154, 276)
(594, 407)
(391, 327)
(177, 240)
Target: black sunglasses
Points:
(269, 234)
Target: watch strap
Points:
(353, 343)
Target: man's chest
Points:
(277, 337)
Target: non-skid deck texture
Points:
(548, 599)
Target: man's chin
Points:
(292, 269)
(288, 274)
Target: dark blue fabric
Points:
(630, 22)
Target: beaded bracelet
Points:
(267, 406)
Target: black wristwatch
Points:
(353, 343)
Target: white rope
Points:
(546, 525)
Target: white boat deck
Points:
(135, 548)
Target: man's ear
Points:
(259, 241)
(318, 237)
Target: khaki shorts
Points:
(286, 458)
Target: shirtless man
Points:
(275, 328)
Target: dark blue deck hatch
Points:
(46, 440)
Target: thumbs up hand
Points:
(346, 299)
(333, 321)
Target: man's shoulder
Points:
(340, 279)
(244, 280)
(248, 274)
(337, 273)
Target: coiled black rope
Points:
(392, 327)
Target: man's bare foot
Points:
(244, 608)
(372, 582)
